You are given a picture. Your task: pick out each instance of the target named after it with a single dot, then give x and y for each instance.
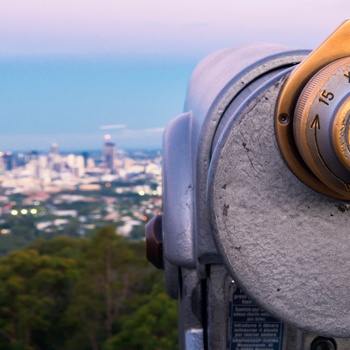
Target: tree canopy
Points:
(98, 293)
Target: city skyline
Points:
(68, 68)
(53, 190)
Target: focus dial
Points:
(321, 125)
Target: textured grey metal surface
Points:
(220, 291)
(219, 294)
(171, 279)
(191, 306)
(285, 244)
(178, 206)
(217, 80)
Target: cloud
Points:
(155, 130)
(114, 126)
(141, 132)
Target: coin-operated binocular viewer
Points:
(255, 234)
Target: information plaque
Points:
(251, 327)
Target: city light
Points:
(33, 211)
(141, 193)
(14, 212)
(24, 211)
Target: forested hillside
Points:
(95, 293)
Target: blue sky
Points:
(68, 68)
(75, 102)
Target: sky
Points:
(72, 71)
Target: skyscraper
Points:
(54, 148)
(8, 160)
(55, 159)
(33, 163)
(109, 154)
(86, 157)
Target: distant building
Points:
(54, 148)
(9, 161)
(33, 163)
(85, 155)
(20, 160)
(2, 164)
(55, 160)
(109, 153)
(79, 166)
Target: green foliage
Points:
(111, 272)
(97, 293)
(151, 326)
(137, 232)
(34, 291)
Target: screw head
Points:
(321, 343)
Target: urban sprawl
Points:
(76, 193)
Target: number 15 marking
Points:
(328, 96)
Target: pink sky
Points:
(180, 27)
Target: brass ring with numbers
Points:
(313, 116)
(320, 121)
